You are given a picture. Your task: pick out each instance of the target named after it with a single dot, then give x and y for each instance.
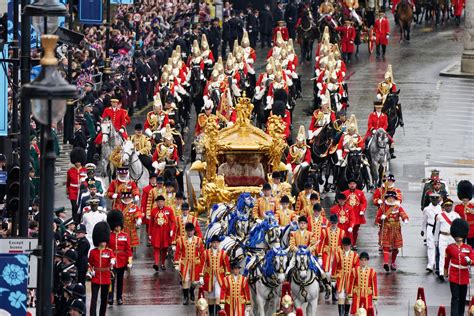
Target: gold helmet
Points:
(215, 74)
(301, 135)
(389, 74)
(245, 40)
(420, 307)
(239, 54)
(326, 98)
(196, 49)
(165, 77)
(279, 39)
(326, 35)
(230, 62)
(168, 133)
(269, 66)
(289, 46)
(283, 53)
(361, 312)
(219, 65)
(157, 102)
(278, 73)
(352, 125)
(236, 47)
(204, 43)
(331, 60)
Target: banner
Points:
(90, 11)
(4, 97)
(13, 283)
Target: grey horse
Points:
(378, 151)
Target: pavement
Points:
(438, 115)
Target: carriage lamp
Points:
(49, 91)
(45, 15)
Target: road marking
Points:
(438, 84)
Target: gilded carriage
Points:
(236, 159)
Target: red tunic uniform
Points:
(347, 38)
(181, 222)
(458, 6)
(144, 203)
(297, 155)
(156, 121)
(120, 245)
(188, 255)
(357, 201)
(346, 217)
(332, 245)
(382, 29)
(119, 118)
(117, 187)
(363, 286)
(466, 212)
(376, 121)
(379, 193)
(391, 235)
(455, 261)
(172, 152)
(235, 295)
(162, 223)
(345, 264)
(318, 228)
(215, 268)
(73, 180)
(284, 33)
(131, 214)
(101, 261)
(344, 143)
(316, 125)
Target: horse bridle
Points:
(130, 163)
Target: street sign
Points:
(23, 246)
(90, 11)
(137, 17)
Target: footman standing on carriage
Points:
(215, 268)
(347, 39)
(132, 217)
(388, 217)
(162, 230)
(189, 259)
(357, 201)
(363, 285)
(121, 184)
(346, 261)
(235, 293)
(442, 237)
(377, 120)
(382, 33)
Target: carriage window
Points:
(243, 169)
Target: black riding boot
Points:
(347, 308)
(384, 49)
(191, 294)
(392, 153)
(340, 308)
(185, 296)
(334, 294)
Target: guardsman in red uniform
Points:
(166, 151)
(185, 218)
(458, 6)
(389, 185)
(382, 33)
(132, 217)
(321, 117)
(319, 223)
(345, 214)
(459, 256)
(299, 156)
(189, 257)
(377, 120)
(118, 116)
(332, 245)
(235, 293)
(304, 197)
(389, 216)
(357, 201)
(281, 27)
(363, 285)
(301, 237)
(75, 175)
(347, 39)
(346, 261)
(466, 208)
(264, 203)
(101, 262)
(122, 184)
(157, 119)
(162, 230)
(215, 268)
(120, 244)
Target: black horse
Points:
(352, 171)
(393, 110)
(307, 33)
(197, 88)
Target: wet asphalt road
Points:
(438, 114)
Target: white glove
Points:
(388, 36)
(148, 132)
(173, 248)
(373, 131)
(468, 260)
(405, 221)
(379, 201)
(139, 222)
(288, 167)
(201, 280)
(383, 217)
(121, 130)
(304, 164)
(328, 276)
(349, 229)
(144, 79)
(350, 301)
(156, 164)
(320, 261)
(259, 221)
(92, 273)
(361, 213)
(129, 92)
(114, 196)
(137, 198)
(129, 266)
(171, 233)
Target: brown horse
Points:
(405, 18)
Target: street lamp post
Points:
(48, 95)
(107, 70)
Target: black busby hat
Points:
(333, 219)
(138, 127)
(465, 190)
(101, 233)
(285, 199)
(78, 154)
(185, 207)
(364, 255)
(341, 196)
(114, 219)
(459, 228)
(215, 238)
(189, 227)
(266, 186)
(160, 198)
(278, 108)
(280, 95)
(78, 305)
(346, 241)
(302, 219)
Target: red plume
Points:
(370, 311)
(442, 311)
(299, 311)
(221, 313)
(421, 295)
(201, 292)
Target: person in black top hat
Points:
(82, 249)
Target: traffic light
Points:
(13, 191)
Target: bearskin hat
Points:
(78, 154)
(101, 233)
(280, 95)
(114, 219)
(459, 228)
(465, 189)
(278, 108)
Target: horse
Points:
(238, 225)
(265, 279)
(234, 247)
(197, 88)
(378, 151)
(323, 153)
(137, 170)
(265, 234)
(405, 18)
(304, 274)
(307, 33)
(393, 110)
(285, 234)
(110, 139)
(305, 174)
(352, 171)
(245, 203)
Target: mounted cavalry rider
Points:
(166, 152)
(196, 60)
(157, 119)
(142, 146)
(202, 119)
(278, 45)
(207, 56)
(349, 141)
(280, 29)
(299, 155)
(232, 77)
(321, 117)
(264, 80)
(119, 118)
(280, 82)
(377, 120)
(213, 89)
(249, 53)
(387, 86)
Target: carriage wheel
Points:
(371, 41)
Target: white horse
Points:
(304, 273)
(110, 139)
(379, 154)
(137, 170)
(265, 278)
